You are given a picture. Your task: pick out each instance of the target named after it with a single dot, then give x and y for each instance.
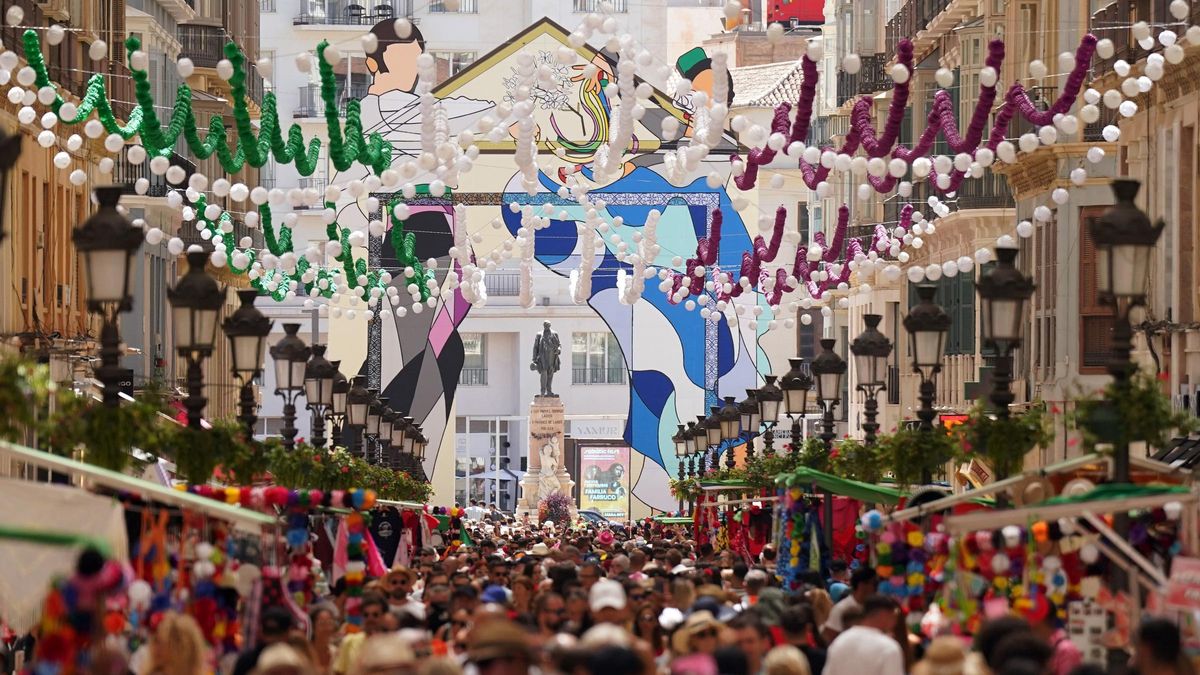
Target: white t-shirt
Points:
(836, 621)
(861, 649)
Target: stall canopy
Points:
(1108, 498)
(673, 520)
(244, 519)
(865, 492)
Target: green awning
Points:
(865, 492)
(1117, 491)
(673, 520)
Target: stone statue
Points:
(546, 350)
(548, 482)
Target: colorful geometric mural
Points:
(678, 361)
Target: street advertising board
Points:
(605, 480)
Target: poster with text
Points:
(605, 486)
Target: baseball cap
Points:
(495, 594)
(606, 593)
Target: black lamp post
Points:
(399, 429)
(730, 419)
(319, 375)
(195, 306)
(1125, 241)
(796, 384)
(291, 359)
(386, 423)
(1003, 293)
(371, 430)
(10, 152)
(358, 399)
(337, 411)
(871, 350)
(927, 324)
(695, 441)
(680, 441)
(770, 398)
(751, 420)
(247, 330)
(107, 242)
(828, 370)
(712, 436)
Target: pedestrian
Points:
(946, 655)
(753, 638)
(274, 627)
(697, 634)
(786, 660)
(868, 647)
(178, 648)
(500, 648)
(863, 583)
(1159, 649)
(323, 617)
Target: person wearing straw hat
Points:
(697, 635)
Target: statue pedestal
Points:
(547, 422)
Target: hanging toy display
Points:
(72, 624)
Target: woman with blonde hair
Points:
(786, 660)
(178, 647)
(683, 594)
(821, 604)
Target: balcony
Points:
(127, 173)
(312, 105)
(473, 377)
(204, 45)
(1113, 21)
(503, 284)
(870, 79)
(340, 13)
(988, 192)
(597, 376)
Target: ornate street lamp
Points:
(1003, 293)
(681, 446)
(829, 370)
(10, 152)
(927, 324)
(337, 411)
(712, 438)
(291, 359)
(195, 307)
(399, 429)
(106, 242)
(1125, 242)
(796, 384)
(751, 420)
(695, 441)
(770, 398)
(319, 375)
(371, 430)
(386, 423)
(358, 400)
(247, 329)
(730, 418)
(871, 350)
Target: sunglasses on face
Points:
(372, 615)
(637, 597)
(708, 633)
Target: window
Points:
(474, 370)
(464, 6)
(596, 359)
(1095, 319)
(266, 6)
(956, 295)
(599, 5)
(450, 64)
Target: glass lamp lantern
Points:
(291, 356)
(196, 302)
(247, 329)
(796, 384)
(927, 325)
(829, 370)
(871, 350)
(1003, 293)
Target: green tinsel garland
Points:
(345, 148)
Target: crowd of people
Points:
(591, 602)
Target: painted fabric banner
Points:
(605, 487)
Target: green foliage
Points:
(198, 452)
(913, 454)
(813, 454)
(22, 385)
(105, 435)
(1136, 410)
(1003, 443)
(855, 460)
(686, 489)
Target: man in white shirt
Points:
(862, 585)
(868, 647)
(474, 511)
